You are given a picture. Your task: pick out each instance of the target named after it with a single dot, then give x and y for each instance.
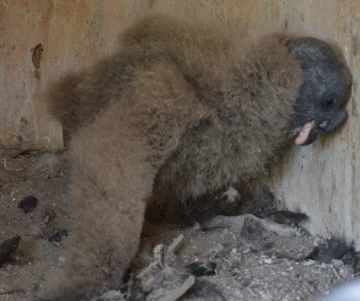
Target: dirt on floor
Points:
(34, 206)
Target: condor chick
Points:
(191, 104)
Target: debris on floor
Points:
(192, 264)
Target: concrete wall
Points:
(323, 180)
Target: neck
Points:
(259, 99)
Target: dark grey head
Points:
(326, 88)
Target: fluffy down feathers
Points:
(180, 109)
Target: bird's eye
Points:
(330, 101)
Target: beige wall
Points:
(322, 179)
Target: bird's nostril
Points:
(323, 124)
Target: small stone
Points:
(233, 251)
(308, 262)
(337, 263)
(268, 260)
(323, 265)
(344, 273)
(61, 259)
(46, 219)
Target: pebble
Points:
(344, 273)
(268, 260)
(308, 262)
(337, 263)
(323, 265)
